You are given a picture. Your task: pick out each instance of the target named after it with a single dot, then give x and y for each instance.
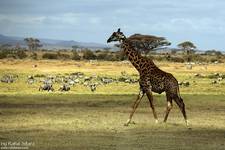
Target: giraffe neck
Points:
(135, 57)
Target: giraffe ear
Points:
(118, 30)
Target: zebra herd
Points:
(79, 78)
(67, 81)
(9, 78)
(217, 77)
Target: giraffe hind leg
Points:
(181, 105)
(169, 106)
(150, 98)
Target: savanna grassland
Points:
(82, 119)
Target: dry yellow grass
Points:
(105, 68)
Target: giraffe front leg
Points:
(134, 107)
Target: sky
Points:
(199, 21)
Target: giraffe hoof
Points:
(132, 122)
(187, 123)
(126, 124)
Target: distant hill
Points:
(51, 43)
(10, 40)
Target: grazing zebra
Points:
(46, 87)
(64, 87)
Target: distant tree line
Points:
(34, 51)
(7, 51)
(103, 55)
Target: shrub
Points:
(62, 55)
(21, 54)
(199, 58)
(120, 56)
(102, 56)
(34, 55)
(50, 56)
(3, 54)
(177, 59)
(75, 55)
(11, 53)
(110, 57)
(157, 57)
(213, 60)
(88, 54)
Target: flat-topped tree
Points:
(32, 43)
(188, 47)
(147, 43)
(152, 79)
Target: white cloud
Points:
(67, 18)
(22, 19)
(62, 19)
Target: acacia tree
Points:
(147, 43)
(189, 49)
(32, 43)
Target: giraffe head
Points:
(117, 36)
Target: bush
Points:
(75, 55)
(102, 56)
(213, 52)
(106, 55)
(88, 54)
(21, 54)
(3, 54)
(157, 57)
(11, 53)
(199, 58)
(62, 56)
(110, 57)
(212, 60)
(34, 56)
(50, 56)
(177, 59)
(120, 56)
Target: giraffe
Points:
(152, 79)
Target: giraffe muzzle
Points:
(109, 40)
